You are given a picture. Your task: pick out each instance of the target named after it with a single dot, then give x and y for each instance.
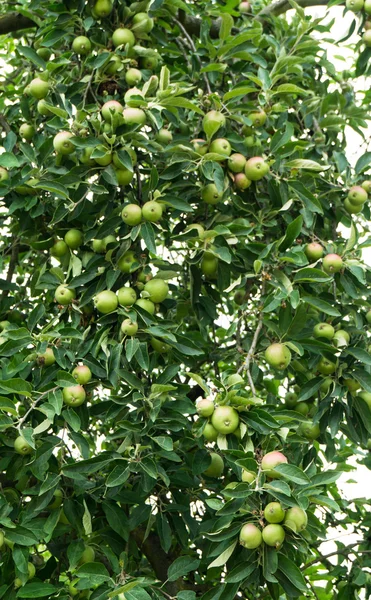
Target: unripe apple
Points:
(87, 556)
(124, 264)
(102, 8)
(368, 316)
(47, 358)
(366, 185)
(258, 118)
(62, 143)
(212, 121)
(210, 194)
(310, 431)
(216, 467)
(150, 62)
(278, 356)
(352, 209)
(302, 408)
(27, 131)
(160, 346)
(248, 476)
(157, 289)
(64, 295)
(241, 182)
(272, 460)
(131, 95)
(351, 384)
(221, 146)
(128, 327)
(366, 38)
(296, 519)
(59, 249)
(142, 23)
(236, 163)
(74, 395)
(131, 214)
(326, 367)
(200, 146)
(4, 175)
(357, 195)
(57, 500)
(106, 158)
(205, 407)
(21, 446)
(39, 88)
(341, 338)
(209, 265)
(106, 302)
(324, 330)
(256, 168)
(332, 263)
(164, 136)
(44, 53)
(274, 513)
(152, 211)
(123, 36)
(225, 419)
(291, 399)
(314, 251)
(134, 116)
(42, 109)
(244, 7)
(124, 177)
(250, 536)
(81, 45)
(133, 76)
(111, 108)
(273, 535)
(73, 238)
(82, 374)
(210, 433)
(366, 397)
(146, 305)
(126, 296)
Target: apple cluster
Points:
(357, 196)
(362, 6)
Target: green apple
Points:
(64, 295)
(256, 168)
(59, 249)
(152, 211)
(106, 302)
(314, 251)
(124, 176)
(302, 408)
(114, 65)
(44, 53)
(210, 194)
(164, 136)
(357, 195)
(272, 460)
(352, 209)
(309, 430)
(221, 146)
(146, 305)
(205, 407)
(366, 397)
(366, 185)
(62, 143)
(42, 109)
(131, 214)
(124, 264)
(102, 8)
(324, 330)
(142, 23)
(248, 476)
(341, 338)
(236, 163)
(278, 356)
(250, 536)
(225, 419)
(74, 395)
(157, 289)
(354, 5)
(4, 175)
(273, 535)
(57, 500)
(291, 400)
(134, 116)
(150, 62)
(274, 513)
(21, 446)
(210, 433)
(122, 37)
(241, 182)
(110, 109)
(200, 146)
(126, 296)
(39, 88)
(47, 358)
(209, 265)
(216, 467)
(82, 374)
(332, 263)
(258, 118)
(131, 95)
(160, 346)
(133, 76)
(351, 384)
(326, 367)
(106, 158)
(73, 238)
(296, 519)
(81, 45)
(27, 131)
(128, 327)
(133, 155)
(87, 556)
(212, 121)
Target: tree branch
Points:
(282, 6)
(15, 22)
(12, 265)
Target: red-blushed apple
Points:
(332, 263)
(314, 251)
(241, 182)
(357, 195)
(272, 460)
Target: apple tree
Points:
(184, 305)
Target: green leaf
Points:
(223, 557)
(16, 386)
(293, 474)
(148, 235)
(359, 354)
(308, 165)
(65, 379)
(53, 187)
(292, 572)
(363, 378)
(37, 590)
(118, 476)
(8, 161)
(176, 101)
(310, 388)
(181, 566)
(363, 162)
(292, 232)
(289, 88)
(227, 23)
(22, 536)
(279, 139)
(314, 275)
(322, 305)
(198, 379)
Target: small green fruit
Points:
(128, 327)
(157, 289)
(216, 467)
(126, 296)
(81, 45)
(250, 536)
(21, 446)
(205, 407)
(210, 194)
(274, 513)
(132, 215)
(82, 374)
(106, 302)
(152, 211)
(274, 535)
(73, 238)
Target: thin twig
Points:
(33, 405)
(139, 183)
(193, 47)
(246, 365)
(343, 551)
(88, 87)
(12, 264)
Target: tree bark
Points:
(14, 22)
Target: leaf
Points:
(178, 102)
(226, 26)
(16, 386)
(53, 187)
(289, 88)
(8, 160)
(363, 378)
(65, 379)
(200, 382)
(310, 388)
(148, 235)
(353, 238)
(280, 139)
(359, 354)
(309, 165)
(37, 590)
(363, 162)
(223, 557)
(118, 475)
(181, 566)
(314, 275)
(293, 473)
(22, 536)
(292, 572)
(292, 232)
(322, 305)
